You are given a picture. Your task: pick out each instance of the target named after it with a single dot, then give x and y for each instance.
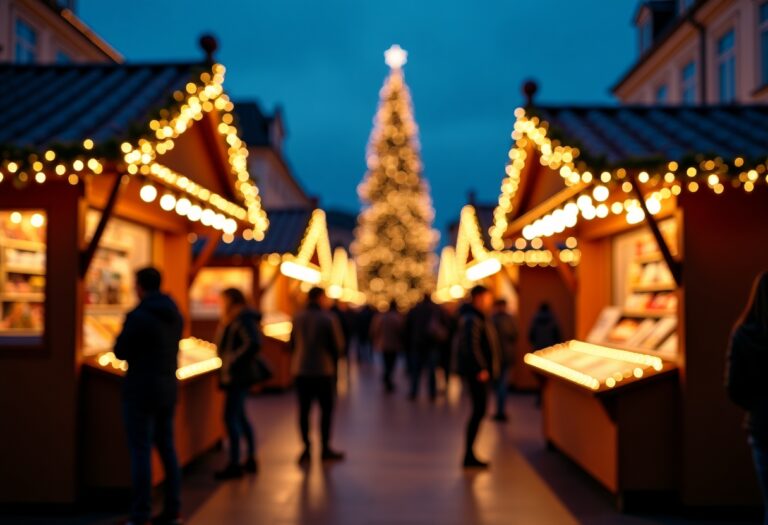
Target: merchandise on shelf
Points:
(22, 272)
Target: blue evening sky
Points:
(322, 61)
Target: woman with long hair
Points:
(747, 366)
(239, 342)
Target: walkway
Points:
(402, 468)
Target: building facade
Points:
(699, 52)
(264, 135)
(48, 32)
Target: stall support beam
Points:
(204, 256)
(86, 257)
(675, 268)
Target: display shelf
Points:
(596, 368)
(25, 270)
(22, 244)
(114, 247)
(107, 308)
(22, 297)
(653, 287)
(645, 258)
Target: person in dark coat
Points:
(346, 321)
(149, 342)
(317, 342)
(387, 339)
(506, 328)
(239, 342)
(478, 356)
(363, 320)
(424, 327)
(747, 365)
(544, 330)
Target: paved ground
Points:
(402, 468)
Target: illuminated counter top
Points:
(196, 357)
(594, 367)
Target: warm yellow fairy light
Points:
(300, 272)
(482, 269)
(148, 193)
(167, 202)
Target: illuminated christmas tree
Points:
(394, 240)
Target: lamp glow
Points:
(148, 193)
(483, 269)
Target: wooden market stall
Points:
(104, 169)
(662, 212)
(276, 272)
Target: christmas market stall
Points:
(104, 169)
(652, 218)
(275, 273)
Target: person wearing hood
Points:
(544, 330)
(239, 343)
(747, 365)
(149, 342)
(478, 356)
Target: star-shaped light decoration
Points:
(396, 57)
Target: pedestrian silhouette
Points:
(387, 339)
(747, 366)
(507, 330)
(424, 329)
(239, 344)
(544, 330)
(478, 355)
(317, 342)
(149, 342)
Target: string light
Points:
(531, 134)
(199, 97)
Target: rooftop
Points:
(286, 230)
(61, 105)
(625, 136)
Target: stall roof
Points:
(85, 114)
(286, 230)
(620, 136)
(46, 105)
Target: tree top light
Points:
(396, 57)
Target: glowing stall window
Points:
(205, 302)
(22, 275)
(109, 289)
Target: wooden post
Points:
(87, 256)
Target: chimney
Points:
(209, 45)
(530, 87)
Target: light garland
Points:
(141, 158)
(593, 202)
(336, 271)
